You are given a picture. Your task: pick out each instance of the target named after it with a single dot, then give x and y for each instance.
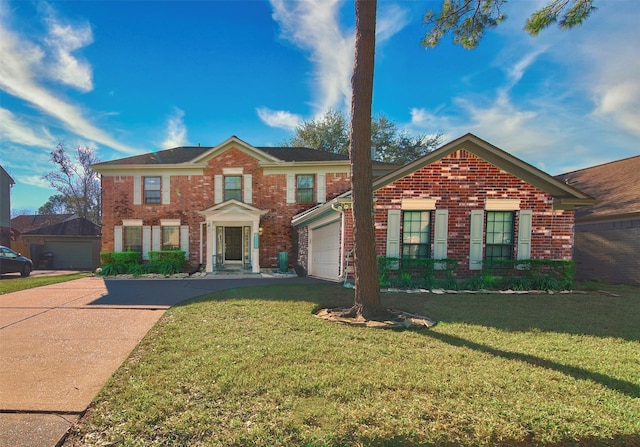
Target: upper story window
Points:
(499, 237)
(304, 188)
(152, 194)
(233, 187)
(416, 230)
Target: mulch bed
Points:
(400, 320)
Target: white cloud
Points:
(391, 19)
(16, 131)
(176, 131)
(33, 180)
(314, 26)
(62, 41)
(23, 61)
(279, 118)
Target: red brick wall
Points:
(193, 193)
(463, 182)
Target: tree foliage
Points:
(77, 183)
(389, 144)
(468, 20)
(57, 204)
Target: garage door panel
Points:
(325, 251)
(71, 254)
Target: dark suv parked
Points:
(12, 262)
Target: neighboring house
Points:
(6, 183)
(607, 240)
(71, 242)
(227, 205)
(467, 200)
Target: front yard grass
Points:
(254, 367)
(12, 284)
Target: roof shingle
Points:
(616, 185)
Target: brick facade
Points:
(460, 181)
(191, 194)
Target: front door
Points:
(233, 244)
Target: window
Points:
(152, 190)
(499, 239)
(133, 239)
(416, 227)
(304, 189)
(171, 238)
(233, 187)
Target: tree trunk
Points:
(367, 290)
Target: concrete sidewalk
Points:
(56, 353)
(59, 345)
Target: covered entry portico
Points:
(232, 234)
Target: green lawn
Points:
(10, 284)
(254, 367)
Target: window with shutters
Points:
(304, 188)
(171, 238)
(416, 229)
(132, 238)
(233, 187)
(152, 192)
(499, 236)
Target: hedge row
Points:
(166, 262)
(530, 274)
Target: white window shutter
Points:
(137, 190)
(117, 238)
(166, 189)
(217, 189)
(476, 239)
(524, 234)
(393, 235)
(248, 189)
(146, 242)
(184, 240)
(291, 188)
(322, 188)
(156, 238)
(440, 232)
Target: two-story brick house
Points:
(230, 204)
(467, 200)
(236, 204)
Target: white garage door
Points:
(325, 251)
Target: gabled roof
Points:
(198, 154)
(302, 154)
(616, 185)
(11, 180)
(565, 196)
(76, 226)
(30, 222)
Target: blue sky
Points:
(127, 77)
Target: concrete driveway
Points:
(59, 345)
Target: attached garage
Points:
(324, 251)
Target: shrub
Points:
(166, 262)
(112, 269)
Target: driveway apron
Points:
(59, 345)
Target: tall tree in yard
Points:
(367, 291)
(75, 180)
(467, 20)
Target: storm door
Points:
(233, 244)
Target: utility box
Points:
(283, 261)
